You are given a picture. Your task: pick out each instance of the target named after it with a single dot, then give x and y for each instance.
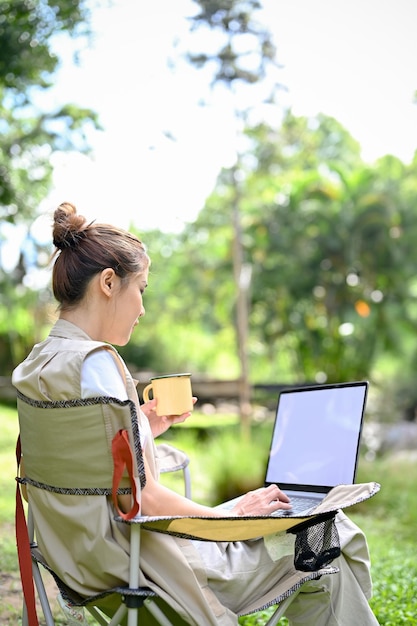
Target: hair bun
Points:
(69, 227)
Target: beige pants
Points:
(240, 573)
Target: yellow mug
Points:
(173, 392)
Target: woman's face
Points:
(128, 308)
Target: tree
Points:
(331, 250)
(29, 135)
(246, 48)
(242, 59)
(330, 243)
(27, 65)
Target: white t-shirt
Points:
(100, 376)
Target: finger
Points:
(279, 504)
(177, 419)
(148, 407)
(278, 494)
(183, 416)
(150, 403)
(283, 497)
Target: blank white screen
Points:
(316, 436)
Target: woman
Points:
(99, 277)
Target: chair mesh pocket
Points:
(316, 545)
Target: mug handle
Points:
(146, 392)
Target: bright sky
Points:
(355, 60)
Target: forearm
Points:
(159, 500)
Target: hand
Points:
(160, 424)
(263, 501)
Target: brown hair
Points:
(84, 249)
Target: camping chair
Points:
(63, 420)
(97, 465)
(71, 601)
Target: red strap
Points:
(123, 457)
(23, 549)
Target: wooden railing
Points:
(206, 390)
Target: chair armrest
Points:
(171, 459)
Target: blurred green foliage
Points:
(328, 240)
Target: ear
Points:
(107, 281)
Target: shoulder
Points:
(102, 375)
(53, 370)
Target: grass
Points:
(389, 520)
(394, 571)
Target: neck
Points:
(81, 320)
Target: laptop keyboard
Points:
(299, 505)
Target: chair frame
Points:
(133, 597)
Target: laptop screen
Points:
(316, 436)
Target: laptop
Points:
(315, 442)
